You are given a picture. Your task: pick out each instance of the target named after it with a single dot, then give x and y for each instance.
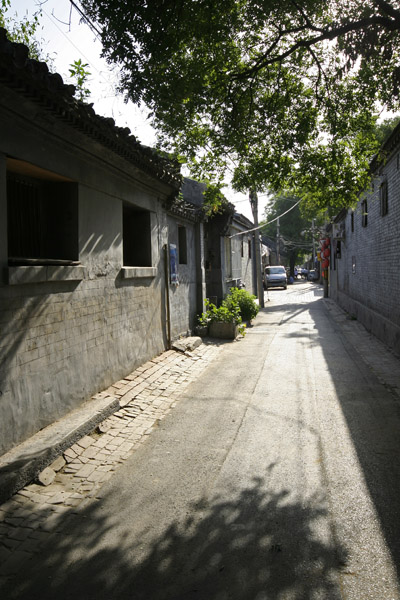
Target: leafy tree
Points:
(23, 31)
(282, 92)
(385, 128)
(294, 226)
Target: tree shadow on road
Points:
(252, 545)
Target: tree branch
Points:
(388, 9)
(327, 35)
(306, 17)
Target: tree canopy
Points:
(284, 93)
(295, 229)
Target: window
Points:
(136, 231)
(364, 213)
(352, 221)
(42, 214)
(249, 244)
(182, 245)
(383, 197)
(242, 248)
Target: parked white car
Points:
(275, 277)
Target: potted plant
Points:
(201, 329)
(225, 322)
(248, 307)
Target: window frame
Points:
(384, 198)
(41, 231)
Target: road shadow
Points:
(252, 545)
(370, 408)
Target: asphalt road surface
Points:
(276, 477)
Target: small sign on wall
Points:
(173, 264)
(353, 264)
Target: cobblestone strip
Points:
(146, 396)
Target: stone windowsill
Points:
(44, 273)
(137, 272)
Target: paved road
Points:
(275, 476)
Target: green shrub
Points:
(248, 308)
(228, 312)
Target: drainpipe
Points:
(167, 304)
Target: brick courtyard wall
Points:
(366, 280)
(67, 333)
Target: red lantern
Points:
(328, 241)
(327, 252)
(325, 264)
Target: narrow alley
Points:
(261, 469)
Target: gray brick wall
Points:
(370, 290)
(62, 341)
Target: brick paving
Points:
(146, 396)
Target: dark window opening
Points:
(136, 231)
(249, 243)
(182, 245)
(42, 221)
(242, 249)
(364, 213)
(383, 196)
(352, 221)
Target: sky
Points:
(65, 39)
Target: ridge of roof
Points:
(33, 80)
(243, 219)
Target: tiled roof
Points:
(389, 145)
(33, 80)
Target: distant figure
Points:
(295, 273)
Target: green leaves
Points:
(23, 31)
(79, 75)
(277, 94)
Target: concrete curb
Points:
(23, 463)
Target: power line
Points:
(53, 21)
(267, 223)
(85, 18)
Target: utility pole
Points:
(313, 243)
(257, 247)
(278, 257)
